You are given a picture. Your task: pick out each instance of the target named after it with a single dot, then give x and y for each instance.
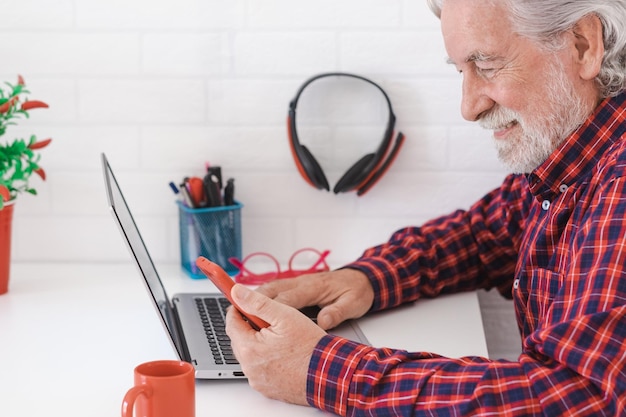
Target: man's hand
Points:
(343, 294)
(275, 359)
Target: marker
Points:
(229, 192)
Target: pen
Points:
(174, 187)
(186, 197)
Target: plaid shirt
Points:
(555, 241)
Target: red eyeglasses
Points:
(261, 267)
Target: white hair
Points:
(544, 21)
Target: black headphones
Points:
(366, 171)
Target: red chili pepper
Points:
(41, 173)
(33, 104)
(40, 144)
(7, 106)
(20, 80)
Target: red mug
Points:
(162, 389)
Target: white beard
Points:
(541, 135)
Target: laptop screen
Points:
(138, 249)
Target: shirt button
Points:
(545, 205)
(563, 188)
(516, 284)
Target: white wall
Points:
(163, 85)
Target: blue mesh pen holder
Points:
(214, 233)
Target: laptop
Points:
(194, 322)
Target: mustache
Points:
(498, 118)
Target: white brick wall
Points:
(162, 85)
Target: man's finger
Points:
(257, 304)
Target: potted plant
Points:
(19, 159)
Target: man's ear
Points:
(589, 44)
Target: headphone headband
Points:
(293, 103)
(366, 171)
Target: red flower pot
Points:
(6, 218)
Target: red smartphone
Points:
(225, 283)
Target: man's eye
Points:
(487, 72)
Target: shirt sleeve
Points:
(349, 379)
(463, 251)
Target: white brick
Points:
(424, 149)
(36, 14)
(41, 53)
(278, 195)
(323, 14)
(393, 53)
(257, 232)
(346, 238)
(284, 53)
(185, 54)
(78, 194)
(427, 101)
(137, 101)
(65, 238)
(235, 149)
(161, 14)
(40, 204)
(417, 15)
(472, 149)
(426, 194)
(250, 102)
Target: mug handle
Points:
(131, 396)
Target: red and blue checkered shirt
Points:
(554, 240)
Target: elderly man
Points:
(548, 77)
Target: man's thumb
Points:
(257, 308)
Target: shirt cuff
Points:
(387, 292)
(330, 372)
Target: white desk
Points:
(71, 334)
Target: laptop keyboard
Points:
(212, 312)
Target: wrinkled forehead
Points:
(475, 25)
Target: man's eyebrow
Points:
(476, 56)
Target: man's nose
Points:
(475, 100)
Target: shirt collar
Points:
(581, 151)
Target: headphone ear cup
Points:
(312, 168)
(307, 166)
(355, 175)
